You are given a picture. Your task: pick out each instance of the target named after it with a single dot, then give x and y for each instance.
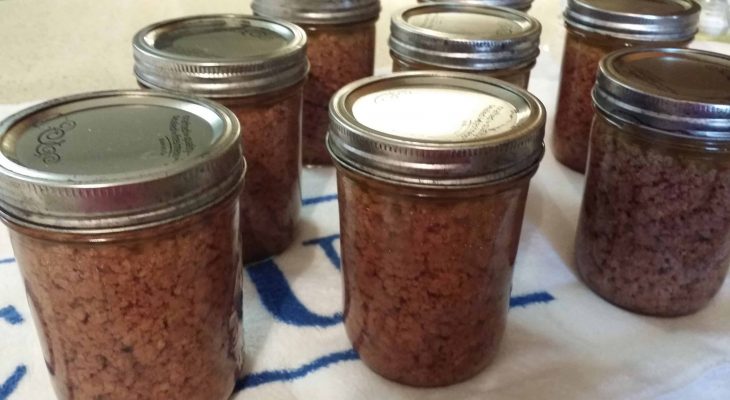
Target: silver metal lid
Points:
(639, 20)
(318, 11)
(466, 37)
(116, 160)
(436, 129)
(221, 55)
(522, 5)
(685, 92)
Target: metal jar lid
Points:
(436, 129)
(683, 92)
(465, 37)
(522, 5)
(111, 161)
(638, 20)
(221, 55)
(316, 12)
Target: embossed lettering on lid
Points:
(110, 160)
(436, 129)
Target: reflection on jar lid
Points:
(522, 5)
(682, 91)
(115, 160)
(640, 20)
(465, 37)
(318, 11)
(436, 129)
(221, 55)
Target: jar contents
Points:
(522, 5)
(274, 191)
(340, 48)
(427, 279)
(257, 67)
(152, 316)
(131, 259)
(429, 234)
(654, 231)
(596, 28)
(496, 42)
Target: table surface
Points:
(561, 341)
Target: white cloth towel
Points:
(562, 341)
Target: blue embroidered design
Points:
(327, 244)
(278, 298)
(7, 388)
(260, 378)
(317, 200)
(11, 315)
(530, 299)
(7, 261)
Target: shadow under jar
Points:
(522, 5)
(341, 49)
(654, 231)
(255, 66)
(497, 42)
(123, 215)
(594, 29)
(433, 171)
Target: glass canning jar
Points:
(522, 5)
(123, 216)
(594, 29)
(341, 49)
(654, 230)
(257, 67)
(498, 42)
(433, 171)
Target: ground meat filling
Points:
(152, 318)
(271, 198)
(427, 280)
(654, 233)
(575, 106)
(338, 56)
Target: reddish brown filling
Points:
(338, 56)
(654, 233)
(427, 280)
(149, 314)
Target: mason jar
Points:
(255, 66)
(433, 170)
(594, 29)
(522, 5)
(341, 49)
(123, 215)
(497, 42)
(654, 230)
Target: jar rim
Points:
(193, 55)
(129, 158)
(499, 134)
(631, 20)
(639, 85)
(514, 42)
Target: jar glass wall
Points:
(519, 76)
(271, 201)
(574, 115)
(338, 54)
(654, 231)
(151, 313)
(427, 275)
